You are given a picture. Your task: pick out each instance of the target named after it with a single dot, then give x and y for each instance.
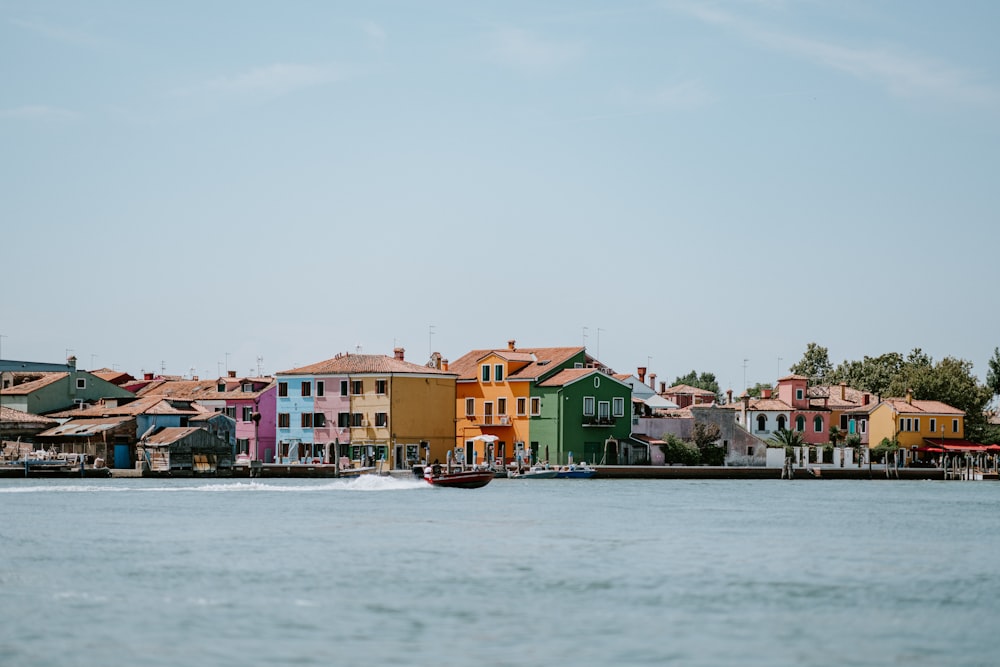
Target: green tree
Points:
(815, 364)
(677, 451)
(706, 438)
(787, 440)
(993, 372)
(756, 390)
(704, 381)
(872, 374)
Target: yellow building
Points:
(915, 424)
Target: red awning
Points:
(957, 445)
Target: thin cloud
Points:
(270, 81)
(37, 112)
(58, 33)
(375, 33)
(523, 50)
(903, 74)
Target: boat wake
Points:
(363, 483)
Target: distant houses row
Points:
(505, 404)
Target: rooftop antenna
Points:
(163, 368)
(585, 336)
(745, 373)
(779, 369)
(260, 361)
(357, 348)
(598, 351)
(430, 339)
(191, 372)
(92, 357)
(227, 363)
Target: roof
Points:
(571, 375)
(353, 364)
(538, 360)
(901, 406)
(688, 389)
(166, 436)
(84, 427)
(11, 415)
(147, 405)
(204, 390)
(769, 405)
(852, 397)
(34, 385)
(793, 376)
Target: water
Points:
(387, 571)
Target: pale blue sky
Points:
(192, 185)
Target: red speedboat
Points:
(459, 479)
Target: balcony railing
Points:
(600, 421)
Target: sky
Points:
(192, 188)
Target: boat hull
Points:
(467, 479)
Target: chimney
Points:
(909, 396)
(865, 398)
(746, 400)
(510, 345)
(147, 376)
(729, 396)
(71, 362)
(232, 374)
(765, 393)
(843, 391)
(194, 377)
(826, 401)
(663, 387)
(398, 351)
(641, 372)
(652, 381)
(444, 364)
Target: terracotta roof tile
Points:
(542, 359)
(34, 385)
(353, 364)
(12, 415)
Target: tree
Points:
(815, 364)
(873, 374)
(756, 391)
(705, 437)
(704, 381)
(993, 374)
(677, 451)
(788, 440)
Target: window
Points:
(247, 413)
(343, 419)
(781, 422)
(933, 425)
(319, 420)
(485, 372)
(81, 383)
(343, 387)
(800, 423)
(798, 394)
(761, 422)
(501, 406)
(307, 388)
(588, 406)
(381, 419)
(231, 412)
(247, 388)
(357, 387)
(487, 412)
(916, 425)
(221, 387)
(604, 410)
(536, 406)
(380, 387)
(282, 389)
(498, 372)
(282, 420)
(954, 426)
(307, 419)
(357, 419)
(470, 407)
(320, 388)
(243, 445)
(864, 425)
(843, 422)
(618, 408)
(522, 406)
(818, 424)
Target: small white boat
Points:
(537, 471)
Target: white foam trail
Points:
(359, 483)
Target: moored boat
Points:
(538, 471)
(576, 471)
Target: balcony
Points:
(489, 420)
(599, 422)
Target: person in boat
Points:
(436, 468)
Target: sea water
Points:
(387, 571)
